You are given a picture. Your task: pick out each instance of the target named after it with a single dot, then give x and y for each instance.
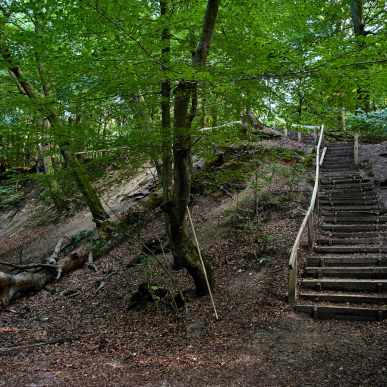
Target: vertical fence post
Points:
(356, 151)
(317, 202)
(274, 124)
(292, 283)
(286, 131)
(299, 136)
(310, 232)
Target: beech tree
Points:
(106, 77)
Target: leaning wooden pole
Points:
(201, 261)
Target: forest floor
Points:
(89, 338)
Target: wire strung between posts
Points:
(201, 260)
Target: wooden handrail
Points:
(308, 219)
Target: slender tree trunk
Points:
(87, 190)
(360, 33)
(166, 123)
(183, 248)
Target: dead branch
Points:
(10, 285)
(50, 265)
(30, 266)
(90, 262)
(6, 351)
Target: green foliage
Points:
(374, 122)
(82, 236)
(10, 195)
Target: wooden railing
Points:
(315, 128)
(308, 220)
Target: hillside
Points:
(80, 331)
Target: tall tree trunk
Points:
(183, 248)
(166, 122)
(360, 33)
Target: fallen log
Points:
(10, 285)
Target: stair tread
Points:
(346, 280)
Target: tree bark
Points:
(84, 185)
(166, 123)
(360, 33)
(183, 248)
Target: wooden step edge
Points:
(324, 268)
(347, 250)
(343, 297)
(342, 313)
(345, 242)
(346, 262)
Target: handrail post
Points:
(274, 124)
(317, 202)
(315, 137)
(292, 283)
(299, 136)
(310, 233)
(357, 151)
(286, 131)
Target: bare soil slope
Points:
(258, 341)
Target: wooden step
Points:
(345, 186)
(336, 235)
(342, 313)
(330, 242)
(348, 215)
(355, 196)
(340, 175)
(333, 176)
(378, 285)
(353, 227)
(349, 250)
(340, 145)
(347, 261)
(329, 210)
(340, 150)
(355, 219)
(334, 161)
(343, 297)
(346, 202)
(347, 272)
(349, 190)
(343, 181)
(336, 168)
(338, 162)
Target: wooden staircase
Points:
(346, 275)
(305, 138)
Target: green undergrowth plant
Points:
(157, 273)
(245, 221)
(10, 195)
